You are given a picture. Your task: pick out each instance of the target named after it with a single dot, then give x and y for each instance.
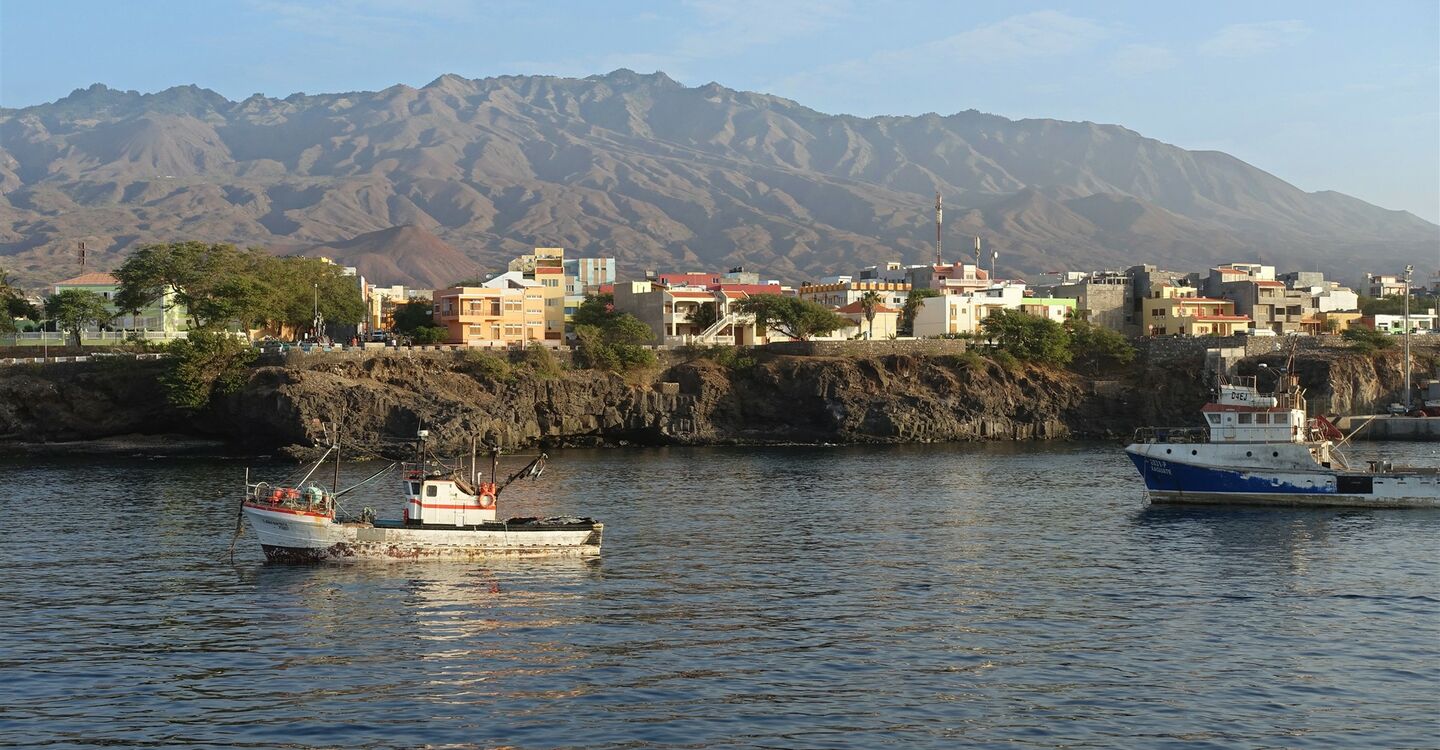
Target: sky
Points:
(1326, 95)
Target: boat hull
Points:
(288, 536)
(1204, 478)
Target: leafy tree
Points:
(469, 281)
(1367, 339)
(1093, 347)
(912, 305)
(413, 316)
(13, 305)
(430, 335)
(1394, 304)
(74, 309)
(596, 310)
(296, 282)
(705, 316)
(1027, 337)
(204, 365)
(869, 303)
(618, 344)
(202, 277)
(794, 317)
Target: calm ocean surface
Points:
(1010, 596)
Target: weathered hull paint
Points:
(1171, 480)
(290, 538)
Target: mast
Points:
(939, 220)
(335, 485)
(1408, 270)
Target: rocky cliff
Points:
(380, 401)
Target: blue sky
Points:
(1326, 95)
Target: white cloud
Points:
(1247, 39)
(1042, 34)
(1140, 59)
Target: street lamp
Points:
(1408, 270)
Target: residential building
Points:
(381, 301)
(956, 278)
(884, 325)
(1104, 298)
(951, 314)
(163, 316)
(672, 313)
(586, 275)
(507, 313)
(842, 293)
(1178, 310)
(1396, 323)
(546, 265)
(1382, 285)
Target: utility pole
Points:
(82, 256)
(1408, 270)
(977, 255)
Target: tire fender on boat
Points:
(487, 502)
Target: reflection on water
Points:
(925, 596)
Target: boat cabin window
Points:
(1214, 418)
(414, 488)
(1262, 419)
(430, 491)
(1245, 418)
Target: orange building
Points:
(491, 317)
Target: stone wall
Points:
(877, 348)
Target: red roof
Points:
(1222, 317)
(856, 307)
(692, 295)
(1198, 300)
(1269, 283)
(89, 279)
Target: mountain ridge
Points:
(654, 173)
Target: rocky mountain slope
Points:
(652, 172)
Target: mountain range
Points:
(463, 174)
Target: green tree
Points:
(596, 310)
(1367, 339)
(1027, 337)
(794, 317)
(203, 278)
(705, 316)
(13, 305)
(912, 305)
(618, 344)
(869, 303)
(74, 309)
(204, 365)
(414, 315)
(1093, 347)
(429, 335)
(1394, 304)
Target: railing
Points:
(87, 338)
(1172, 435)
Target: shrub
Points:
(205, 365)
(963, 361)
(430, 335)
(487, 365)
(1028, 337)
(1007, 361)
(542, 362)
(1367, 340)
(616, 344)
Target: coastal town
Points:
(536, 299)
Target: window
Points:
(1263, 419)
(1214, 418)
(430, 490)
(1245, 418)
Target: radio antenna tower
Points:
(939, 219)
(977, 252)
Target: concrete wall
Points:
(867, 348)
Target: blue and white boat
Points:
(1261, 449)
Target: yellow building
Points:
(546, 266)
(1177, 310)
(842, 293)
(491, 316)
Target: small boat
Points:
(449, 514)
(1260, 449)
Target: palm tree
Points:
(869, 301)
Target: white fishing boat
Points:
(1262, 449)
(449, 514)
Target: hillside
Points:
(649, 171)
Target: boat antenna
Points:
(494, 461)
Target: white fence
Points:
(87, 338)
